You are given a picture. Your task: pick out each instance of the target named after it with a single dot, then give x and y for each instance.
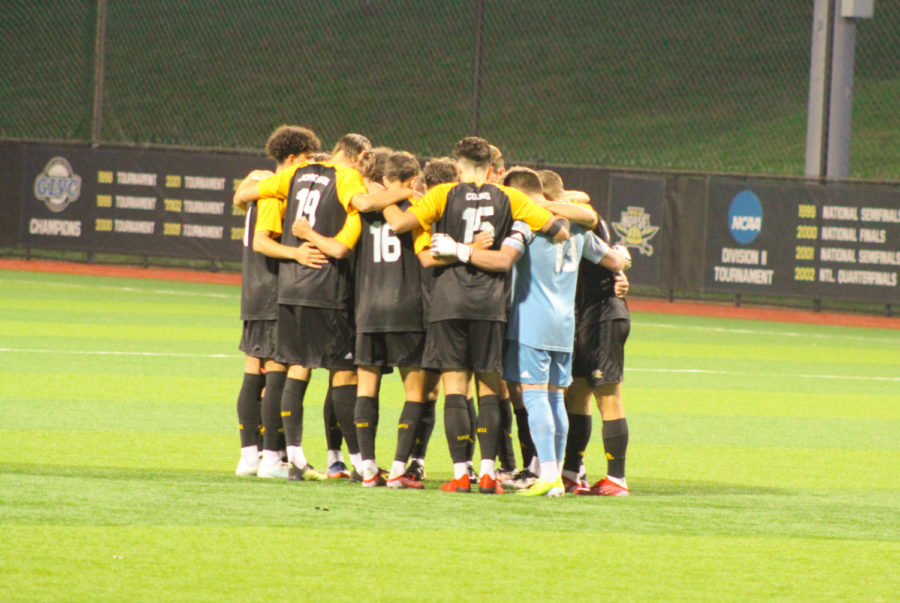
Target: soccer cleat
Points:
(505, 475)
(542, 488)
(471, 471)
(416, 469)
(355, 476)
(305, 474)
(523, 479)
(338, 470)
(607, 487)
(374, 480)
(245, 469)
(489, 485)
(461, 484)
(276, 470)
(405, 480)
(575, 487)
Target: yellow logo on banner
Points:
(634, 230)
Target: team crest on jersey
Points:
(634, 230)
(57, 185)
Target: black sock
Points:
(457, 426)
(526, 445)
(504, 444)
(344, 397)
(273, 432)
(580, 427)
(333, 436)
(488, 426)
(248, 408)
(406, 429)
(473, 426)
(424, 429)
(364, 419)
(292, 410)
(615, 441)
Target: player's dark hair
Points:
(401, 166)
(351, 145)
(497, 162)
(552, 183)
(524, 179)
(291, 140)
(473, 149)
(440, 170)
(373, 162)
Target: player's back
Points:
(595, 296)
(464, 291)
(542, 313)
(259, 275)
(388, 278)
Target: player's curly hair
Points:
(401, 166)
(524, 179)
(473, 149)
(440, 170)
(291, 140)
(552, 183)
(372, 164)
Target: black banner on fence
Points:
(133, 201)
(635, 219)
(833, 242)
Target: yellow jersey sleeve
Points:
(421, 239)
(279, 185)
(349, 183)
(350, 231)
(526, 210)
(429, 208)
(269, 215)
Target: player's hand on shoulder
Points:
(309, 255)
(301, 228)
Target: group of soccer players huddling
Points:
(360, 262)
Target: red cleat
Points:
(458, 485)
(607, 487)
(576, 487)
(488, 485)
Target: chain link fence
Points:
(710, 85)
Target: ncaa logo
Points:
(745, 217)
(57, 185)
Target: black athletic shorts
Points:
(390, 349)
(315, 337)
(599, 354)
(258, 339)
(472, 345)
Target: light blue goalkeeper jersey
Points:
(542, 312)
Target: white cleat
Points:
(277, 470)
(245, 469)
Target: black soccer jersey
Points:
(464, 291)
(595, 297)
(388, 278)
(321, 193)
(259, 276)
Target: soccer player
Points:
(468, 306)
(541, 326)
(314, 321)
(602, 329)
(288, 146)
(389, 321)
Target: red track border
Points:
(717, 310)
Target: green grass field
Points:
(762, 465)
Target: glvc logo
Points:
(57, 185)
(745, 217)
